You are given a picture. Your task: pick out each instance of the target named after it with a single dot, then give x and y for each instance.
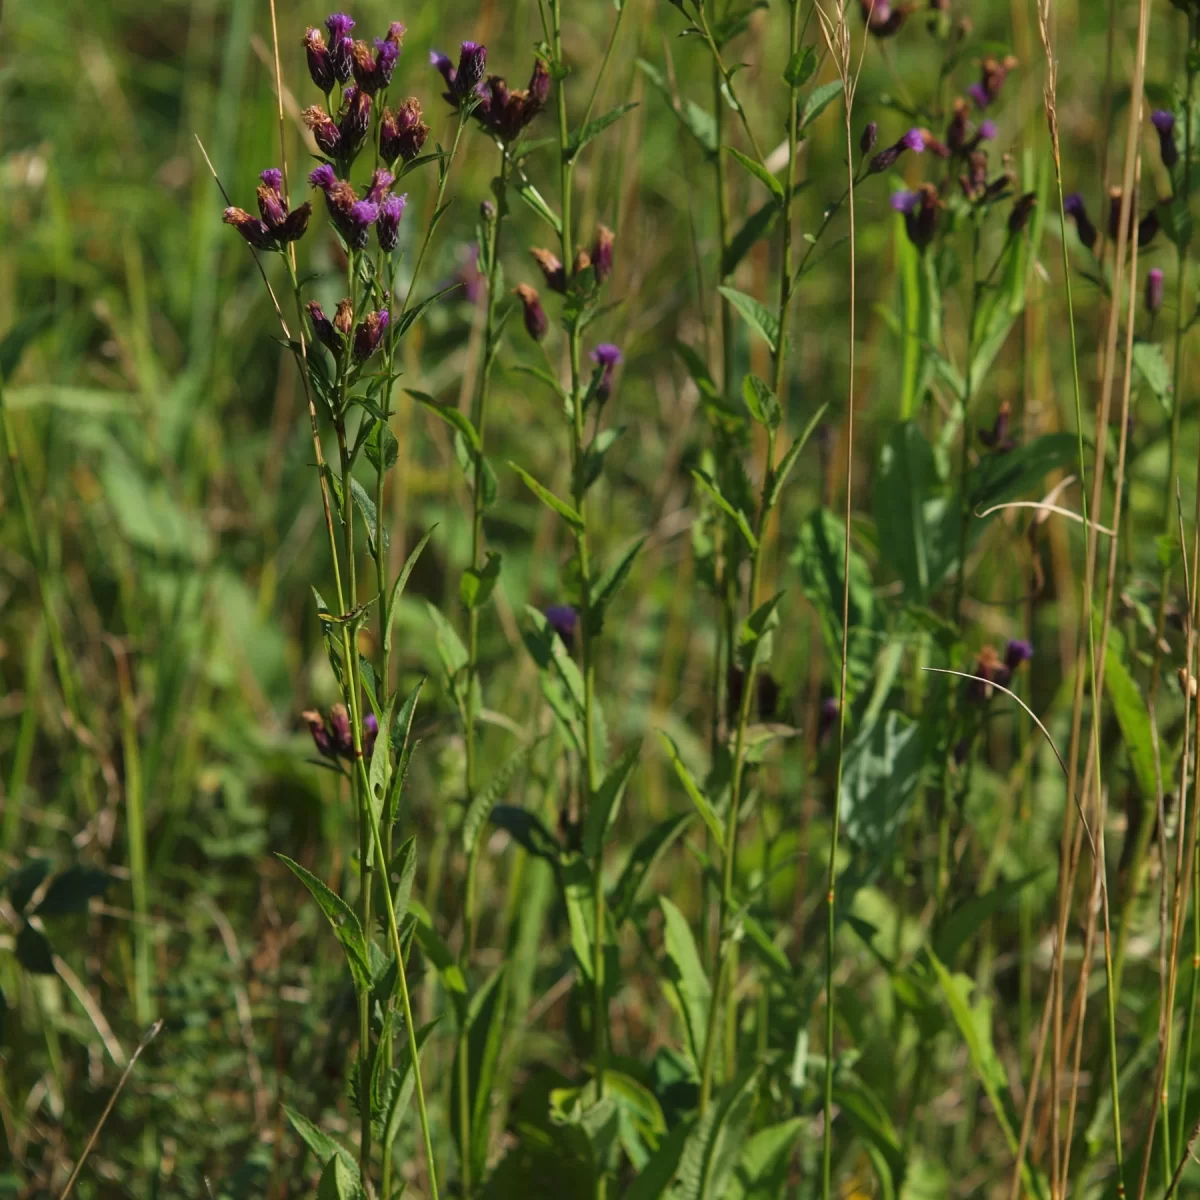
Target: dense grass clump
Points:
(599, 600)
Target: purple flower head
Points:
(323, 177)
(978, 93)
(537, 324)
(273, 178)
(341, 45)
(373, 72)
(606, 356)
(387, 225)
(1074, 207)
(339, 727)
(1018, 651)
(987, 131)
(564, 620)
(370, 733)
(870, 135)
(361, 216)
(402, 133)
(993, 73)
(387, 52)
(324, 129)
(256, 232)
(438, 60)
(320, 65)
(369, 334)
(552, 269)
(539, 85)
(913, 140)
(904, 202)
(270, 198)
(321, 736)
(996, 438)
(1164, 122)
(395, 32)
(920, 213)
(324, 330)
(1155, 289)
(602, 253)
(355, 120)
(1147, 228)
(882, 19)
(381, 181)
(472, 61)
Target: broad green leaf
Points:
(380, 767)
(801, 67)
(381, 446)
(549, 499)
(401, 735)
(762, 402)
(595, 127)
(477, 584)
(754, 635)
(707, 813)
(1134, 720)
(606, 802)
(909, 514)
(759, 172)
(819, 99)
(341, 917)
(882, 769)
(403, 870)
(339, 1182)
(579, 894)
(654, 1180)
(755, 314)
(480, 808)
(641, 862)
(400, 1093)
(450, 648)
(687, 975)
(1155, 374)
(367, 507)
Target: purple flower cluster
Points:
(332, 735)
(277, 226)
(364, 338)
(502, 111)
(353, 217)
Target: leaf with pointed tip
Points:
(755, 227)
(709, 487)
(819, 99)
(762, 402)
(537, 202)
(527, 830)
(755, 168)
(549, 499)
(321, 1144)
(341, 917)
(413, 315)
(606, 586)
(606, 802)
(399, 585)
(641, 862)
(34, 951)
(367, 507)
(707, 813)
(755, 314)
(594, 128)
(451, 415)
(784, 469)
(700, 124)
(687, 976)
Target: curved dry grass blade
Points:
(151, 1034)
(1036, 720)
(1044, 506)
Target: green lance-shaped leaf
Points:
(339, 1182)
(687, 976)
(579, 893)
(477, 583)
(370, 518)
(321, 1144)
(708, 814)
(341, 917)
(609, 583)
(755, 227)
(1133, 718)
(646, 854)
(755, 314)
(481, 806)
(528, 831)
(452, 416)
(449, 645)
(401, 737)
(762, 402)
(399, 585)
(606, 803)
(697, 121)
(414, 314)
(398, 1091)
(710, 488)
(755, 634)
(783, 469)
(759, 172)
(819, 99)
(764, 1161)
(550, 500)
(596, 127)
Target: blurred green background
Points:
(177, 531)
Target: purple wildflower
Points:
(1074, 207)
(341, 45)
(354, 120)
(472, 61)
(913, 140)
(362, 215)
(989, 670)
(387, 224)
(606, 356)
(920, 213)
(381, 182)
(868, 138)
(537, 324)
(369, 334)
(564, 620)
(828, 718)
(1164, 122)
(324, 129)
(602, 253)
(1017, 652)
(552, 269)
(320, 65)
(277, 226)
(323, 329)
(323, 177)
(1155, 290)
(402, 133)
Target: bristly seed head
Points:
(320, 65)
(324, 130)
(343, 318)
(370, 333)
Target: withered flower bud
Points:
(537, 324)
(552, 269)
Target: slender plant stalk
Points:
(836, 32)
